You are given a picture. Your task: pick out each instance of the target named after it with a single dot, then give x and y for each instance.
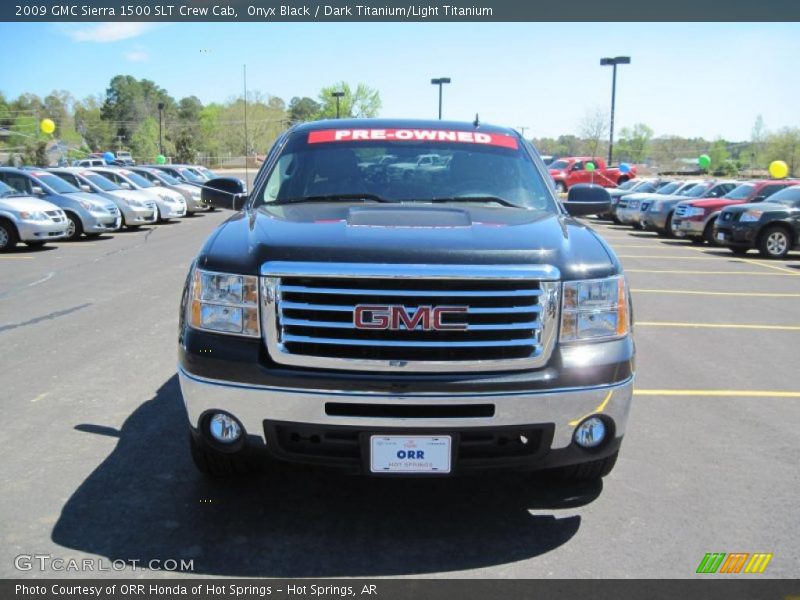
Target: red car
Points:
(568, 171)
(694, 219)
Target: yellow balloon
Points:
(47, 126)
(778, 169)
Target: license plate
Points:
(721, 237)
(410, 454)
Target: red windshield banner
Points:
(324, 136)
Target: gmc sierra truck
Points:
(429, 326)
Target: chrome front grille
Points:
(56, 216)
(509, 314)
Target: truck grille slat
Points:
(503, 323)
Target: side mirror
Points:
(86, 188)
(37, 191)
(156, 182)
(587, 199)
(125, 185)
(224, 192)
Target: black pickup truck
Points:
(425, 321)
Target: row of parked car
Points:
(40, 205)
(762, 214)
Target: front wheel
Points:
(774, 242)
(8, 236)
(708, 233)
(588, 471)
(214, 463)
(74, 227)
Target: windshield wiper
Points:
(333, 198)
(495, 199)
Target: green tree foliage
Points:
(96, 132)
(303, 109)
(144, 141)
(784, 145)
(634, 143)
(361, 102)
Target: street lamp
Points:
(337, 95)
(440, 81)
(160, 118)
(604, 62)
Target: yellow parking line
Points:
(749, 261)
(717, 325)
(719, 393)
(685, 272)
(694, 292)
(668, 257)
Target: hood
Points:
(28, 203)
(712, 202)
(165, 192)
(92, 198)
(762, 206)
(423, 234)
(143, 195)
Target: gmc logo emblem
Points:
(395, 317)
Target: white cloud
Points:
(108, 32)
(138, 54)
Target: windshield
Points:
(7, 190)
(102, 182)
(137, 179)
(669, 188)
(698, 191)
(479, 167)
(189, 176)
(740, 192)
(58, 185)
(558, 165)
(788, 197)
(207, 172)
(166, 178)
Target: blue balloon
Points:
(624, 168)
(109, 157)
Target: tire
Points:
(588, 471)
(774, 242)
(738, 250)
(668, 227)
(92, 235)
(8, 235)
(616, 220)
(35, 244)
(213, 463)
(708, 233)
(561, 187)
(75, 227)
(697, 241)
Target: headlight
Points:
(695, 211)
(751, 216)
(132, 202)
(656, 207)
(32, 215)
(224, 303)
(595, 309)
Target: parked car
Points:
(632, 186)
(169, 204)
(136, 208)
(89, 162)
(181, 173)
(28, 219)
(124, 158)
(628, 210)
(568, 171)
(86, 214)
(190, 193)
(772, 226)
(657, 214)
(694, 219)
(202, 171)
(470, 328)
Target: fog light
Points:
(590, 433)
(224, 428)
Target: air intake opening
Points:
(409, 411)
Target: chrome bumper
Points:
(252, 405)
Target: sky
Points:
(691, 79)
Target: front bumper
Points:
(40, 231)
(685, 228)
(736, 234)
(653, 220)
(100, 224)
(275, 418)
(629, 216)
(171, 210)
(135, 215)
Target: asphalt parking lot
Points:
(97, 465)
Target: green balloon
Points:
(590, 167)
(161, 159)
(704, 160)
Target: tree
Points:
(186, 132)
(758, 138)
(303, 109)
(144, 141)
(96, 132)
(593, 129)
(634, 143)
(363, 102)
(784, 145)
(130, 101)
(719, 155)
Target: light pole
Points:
(604, 62)
(337, 95)
(440, 82)
(160, 119)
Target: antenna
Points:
(477, 121)
(246, 145)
